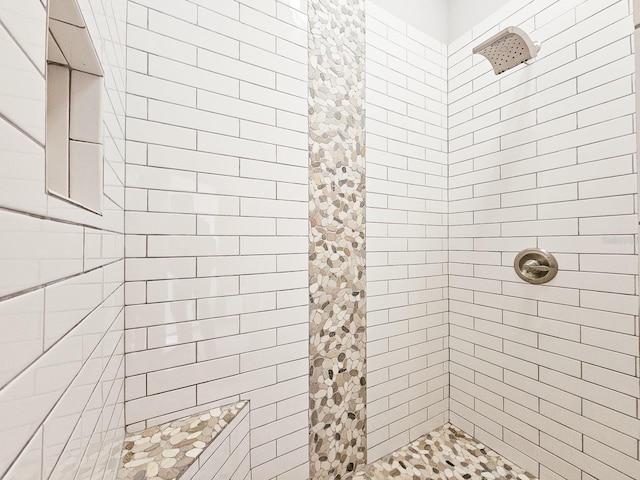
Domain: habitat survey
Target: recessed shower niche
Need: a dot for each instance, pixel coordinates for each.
(74, 132)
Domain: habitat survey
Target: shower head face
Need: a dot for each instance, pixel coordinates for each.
(507, 49)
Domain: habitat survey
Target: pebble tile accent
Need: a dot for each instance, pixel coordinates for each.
(337, 442)
(165, 452)
(446, 453)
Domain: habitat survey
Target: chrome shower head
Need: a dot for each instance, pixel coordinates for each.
(507, 49)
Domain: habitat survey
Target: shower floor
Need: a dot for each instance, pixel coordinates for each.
(446, 453)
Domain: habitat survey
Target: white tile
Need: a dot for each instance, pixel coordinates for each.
(146, 407)
(613, 380)
(267, 22)
(271, 98)
(170, 379)
(162, 88)
(271, 171)
(189, 203)
(590, 391)
(190, 246)
(609, 302)
(57, 134)
(596, 207)
(22, 186)
(160, 178)
(160, 134)
(76, 44)
(22, 319)
(242, 187)
(51, 374)
(151, 223)
(241, 69)
(159, 359)
(28, 464)
(272, 356)
(86, 167)
(223, 225)
(190, 288)
(85, 116)
(269, 319)
(191, 331)
(236, 147)
(159, 268)
(223, 347)
(606, 73)
(23, 88)
(160, 313)
(231, 27)
(273, 208)
(218, 307)
(163, 46)
(69, 302)
(28, 26)
(191, 118)
(37, 252)
(237, 384)
(192, 160)
(234, 107)
(273, 281)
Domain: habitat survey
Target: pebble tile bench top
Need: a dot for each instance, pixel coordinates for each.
(167, 451)
(446, 453)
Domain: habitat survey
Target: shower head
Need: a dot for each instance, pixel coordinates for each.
(507, 49)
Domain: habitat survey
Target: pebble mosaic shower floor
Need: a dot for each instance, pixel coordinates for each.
(446, 453)
(166, 452)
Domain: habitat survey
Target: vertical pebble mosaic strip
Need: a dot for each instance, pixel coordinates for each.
(444, 454)
(166, 452)
(337, 435)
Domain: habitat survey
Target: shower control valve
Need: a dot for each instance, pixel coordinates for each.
(536, 266)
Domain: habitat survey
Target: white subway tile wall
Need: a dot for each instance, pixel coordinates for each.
(62, 268)
(407, 325)
(544, 156)
(464, 169)
(217, 302)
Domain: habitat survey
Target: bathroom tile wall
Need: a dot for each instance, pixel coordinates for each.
(544, 156)
(217, 219)
(61, 268)
(407, 324)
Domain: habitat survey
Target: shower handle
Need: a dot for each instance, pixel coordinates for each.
(536, 266)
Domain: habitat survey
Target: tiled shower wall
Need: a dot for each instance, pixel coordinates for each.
(543, 155)
(217, 219)
(406, 234)
(407, 238)
(61, 269)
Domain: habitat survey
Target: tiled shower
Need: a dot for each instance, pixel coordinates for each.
(297, 254)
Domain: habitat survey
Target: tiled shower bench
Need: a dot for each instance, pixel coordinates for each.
(212, 445)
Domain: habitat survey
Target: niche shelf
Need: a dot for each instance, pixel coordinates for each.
(74, 131)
